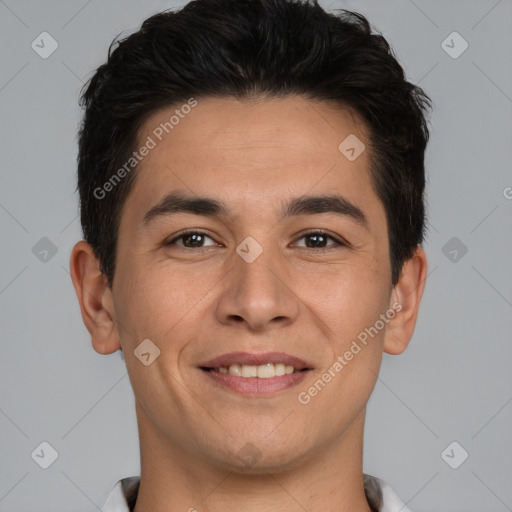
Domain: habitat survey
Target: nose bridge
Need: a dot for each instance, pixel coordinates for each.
(256, 291)
(256, 268)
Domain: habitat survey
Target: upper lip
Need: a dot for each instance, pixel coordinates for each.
(253, 359)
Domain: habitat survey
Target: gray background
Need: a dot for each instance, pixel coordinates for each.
(454, 383)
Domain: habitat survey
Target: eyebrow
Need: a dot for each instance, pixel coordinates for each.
(176, 202)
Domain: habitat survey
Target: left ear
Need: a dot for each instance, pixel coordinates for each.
(407, 293)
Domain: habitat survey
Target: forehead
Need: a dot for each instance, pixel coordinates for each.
(304, 129)
(251, 153)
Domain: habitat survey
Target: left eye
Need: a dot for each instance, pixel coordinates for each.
(195, 240)
(317, 239)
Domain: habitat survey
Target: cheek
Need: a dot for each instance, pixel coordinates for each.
(159, 300)
(347, 378)
(359, 333)
(359, 320)
(348, 298)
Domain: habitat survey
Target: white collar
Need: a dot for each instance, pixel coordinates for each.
(124, 493)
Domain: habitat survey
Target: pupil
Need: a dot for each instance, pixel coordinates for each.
(194, 237)
(317, 237)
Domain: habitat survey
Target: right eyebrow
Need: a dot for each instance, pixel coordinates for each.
(176, 202)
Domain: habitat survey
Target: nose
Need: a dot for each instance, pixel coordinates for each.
(258, 295)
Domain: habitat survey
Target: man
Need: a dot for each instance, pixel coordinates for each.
(251, 177)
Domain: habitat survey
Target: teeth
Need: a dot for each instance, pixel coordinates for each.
(289, 369)
(235, 369)
(249, 371)
(263, 371)
(279, 369)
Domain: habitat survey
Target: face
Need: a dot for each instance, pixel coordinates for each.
(260, 277)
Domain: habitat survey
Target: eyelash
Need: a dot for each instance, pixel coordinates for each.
(308, 233)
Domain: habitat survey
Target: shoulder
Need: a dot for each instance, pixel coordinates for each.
(381, 496)
(123, 495)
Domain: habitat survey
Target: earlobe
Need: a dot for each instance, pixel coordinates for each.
(407, 293)
(94, 297)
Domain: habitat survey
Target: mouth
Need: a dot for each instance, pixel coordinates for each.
(262, 371)
(256, 374)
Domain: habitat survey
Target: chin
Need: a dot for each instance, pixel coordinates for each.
(260, 457)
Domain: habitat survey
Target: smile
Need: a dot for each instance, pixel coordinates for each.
(255, 374)
(262, 371)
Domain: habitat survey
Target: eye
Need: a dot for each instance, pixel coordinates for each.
(191, 240)
(195, 240)
(318, 239)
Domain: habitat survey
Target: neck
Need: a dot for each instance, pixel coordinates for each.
(174, 480)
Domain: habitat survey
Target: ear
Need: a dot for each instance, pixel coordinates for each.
(95, 298)
(407, 294)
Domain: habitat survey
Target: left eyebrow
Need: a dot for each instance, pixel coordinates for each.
(176, 202)
(310, 205)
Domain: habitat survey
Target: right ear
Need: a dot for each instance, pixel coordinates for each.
(95, 298)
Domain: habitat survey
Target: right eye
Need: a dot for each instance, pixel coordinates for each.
(191, 240)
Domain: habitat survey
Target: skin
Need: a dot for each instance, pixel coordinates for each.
(196, 304)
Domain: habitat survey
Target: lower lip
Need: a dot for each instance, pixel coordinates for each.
(254, 386)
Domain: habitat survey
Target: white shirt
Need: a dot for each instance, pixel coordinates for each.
(124, 494)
